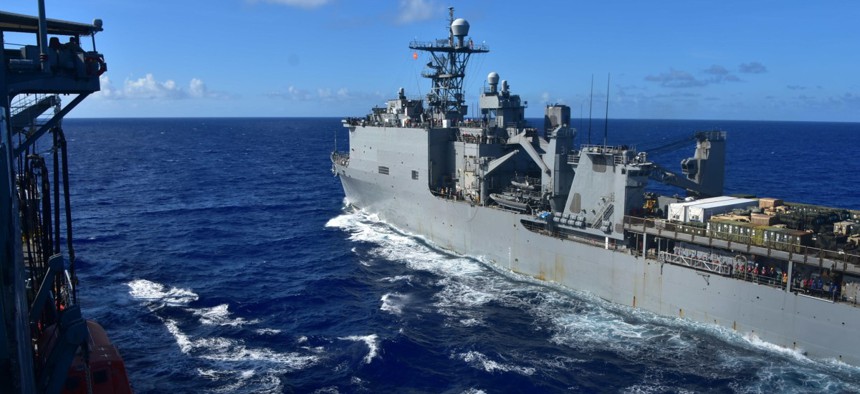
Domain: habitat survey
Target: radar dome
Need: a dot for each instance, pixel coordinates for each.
(460, 27)
(493, 78)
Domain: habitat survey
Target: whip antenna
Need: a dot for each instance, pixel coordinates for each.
(606, 121)
(590, 102)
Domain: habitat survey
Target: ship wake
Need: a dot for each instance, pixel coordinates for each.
(208, 334)
(475, 297)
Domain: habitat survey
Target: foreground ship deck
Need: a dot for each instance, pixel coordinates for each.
(46, 345)
(496, 188)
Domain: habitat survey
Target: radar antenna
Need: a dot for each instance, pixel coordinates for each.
(447, 68)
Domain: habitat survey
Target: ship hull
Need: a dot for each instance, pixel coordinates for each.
(816, 327)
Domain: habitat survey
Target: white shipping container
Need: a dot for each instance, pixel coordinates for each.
(678, 210)
(703, 212)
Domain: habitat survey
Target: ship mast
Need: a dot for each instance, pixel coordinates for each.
(447, 69)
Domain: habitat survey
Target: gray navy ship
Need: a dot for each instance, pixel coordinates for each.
(531, 202)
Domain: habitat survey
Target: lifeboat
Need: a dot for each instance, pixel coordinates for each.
(102, 372)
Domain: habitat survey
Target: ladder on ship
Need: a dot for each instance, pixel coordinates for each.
(607, 207)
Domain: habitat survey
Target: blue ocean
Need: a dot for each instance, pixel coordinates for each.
(220, 258)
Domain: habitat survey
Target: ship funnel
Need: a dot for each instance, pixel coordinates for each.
(460, 29)
(493, 81)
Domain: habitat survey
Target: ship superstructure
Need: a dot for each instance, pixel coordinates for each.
(532, 202)
(46, 344)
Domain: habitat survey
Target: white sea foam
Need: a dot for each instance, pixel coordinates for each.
(456, 299)
(242, 367)
(754, 340)
(144, 290)
(398, 278)
(471, 322)
(220, 316)
(394, 302)
(372, 342)
(457, 294)
(481, 361)
(185, 344)
(232, 362)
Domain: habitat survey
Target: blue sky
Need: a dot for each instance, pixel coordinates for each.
(744, 60)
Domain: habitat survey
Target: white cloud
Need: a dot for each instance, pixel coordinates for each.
(297, 94)
(149, 88)
(198, 88)
(297, 3)
(415, 10)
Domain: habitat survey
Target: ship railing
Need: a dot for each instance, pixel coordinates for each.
(22, 102)
(836, 260)
(27, 112)
(603, 148)
(740, 269)
(713, 135)
(387, 123)
(445, 44)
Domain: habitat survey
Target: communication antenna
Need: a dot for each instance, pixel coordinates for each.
(590, 102)
(606, 121)
(581, 119)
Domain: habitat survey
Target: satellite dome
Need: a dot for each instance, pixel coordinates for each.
(460, 27)
(493, 78)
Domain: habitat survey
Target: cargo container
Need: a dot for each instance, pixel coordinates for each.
(760, 219)
(735, 231)
(702, 212)
(784, 238)
(678, 211)
(767, 203)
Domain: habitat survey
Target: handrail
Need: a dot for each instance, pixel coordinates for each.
(794, 251)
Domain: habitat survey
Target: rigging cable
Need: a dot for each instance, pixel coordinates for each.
(56, 162)
(68, 209)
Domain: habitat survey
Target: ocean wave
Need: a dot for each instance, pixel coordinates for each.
(220, 316)
(393, 303)
(481, 361)
(144, 290)
(372, 342)
(230, 363)
(398, 278)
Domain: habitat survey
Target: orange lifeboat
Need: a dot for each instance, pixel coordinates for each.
(103, 373)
